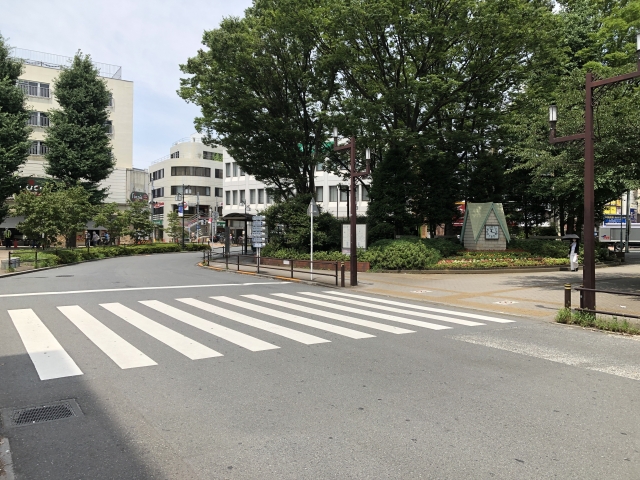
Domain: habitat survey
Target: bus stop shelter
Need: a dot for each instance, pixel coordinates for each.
(237, 218)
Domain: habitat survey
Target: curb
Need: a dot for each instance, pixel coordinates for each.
(488, 270)
(6, 464)
(261, 275)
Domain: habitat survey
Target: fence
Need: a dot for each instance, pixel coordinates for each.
(267, 265)
(608, 302)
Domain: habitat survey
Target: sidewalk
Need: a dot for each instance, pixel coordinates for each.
(536, 294)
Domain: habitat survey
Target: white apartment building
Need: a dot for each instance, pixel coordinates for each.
(243, 191)
(193, 169)
(40, 70)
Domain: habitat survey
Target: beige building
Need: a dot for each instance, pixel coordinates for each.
(195, 170)
(40, 70)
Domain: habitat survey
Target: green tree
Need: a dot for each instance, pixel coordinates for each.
(114, 219)
(290, 226)
(55, 212)
(262, 84)
(138, 217)
(14, 133)
(77, 139)
(174, 230)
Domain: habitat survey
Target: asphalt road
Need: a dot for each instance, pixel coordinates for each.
(369, 393)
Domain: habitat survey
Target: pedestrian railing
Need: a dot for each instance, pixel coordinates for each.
(609, 302)
(266, 265)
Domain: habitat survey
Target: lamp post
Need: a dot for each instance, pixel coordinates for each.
(588, 270)
(351, 146)
(180, 197)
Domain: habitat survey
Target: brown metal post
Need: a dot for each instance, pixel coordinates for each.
(567, 295)
(342, 274)
(337, 274)
(352, 200)
(238, 258)
(36, 250)
(581, 297)
(588, 269)
(226, 261)
(291, 265)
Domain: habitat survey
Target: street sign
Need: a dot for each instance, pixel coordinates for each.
(258, 231)
(313, 209)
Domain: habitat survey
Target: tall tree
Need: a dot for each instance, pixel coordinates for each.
(14, 133)
(138, 216)
(262, 84)
(78, 143)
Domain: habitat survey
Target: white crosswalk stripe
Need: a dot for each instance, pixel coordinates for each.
(403, 311)
(369, 313)
(51, 361)
(186, 346)
(334, 316)
(254, 322)
(422, 307)
(241, 339)
(114, 346)
(347, 332)
(48, 356)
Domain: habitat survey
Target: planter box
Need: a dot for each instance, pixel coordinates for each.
(317, 264)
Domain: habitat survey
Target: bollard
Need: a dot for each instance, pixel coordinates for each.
(567, 295)
(36, 258)
(9, 264)
(342, 274)
(238, 258)
(337, 274)
(581, 297)
(291, 264)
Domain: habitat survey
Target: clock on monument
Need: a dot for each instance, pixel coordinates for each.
(491, 232)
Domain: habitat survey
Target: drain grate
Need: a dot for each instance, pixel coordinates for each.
(17, 417)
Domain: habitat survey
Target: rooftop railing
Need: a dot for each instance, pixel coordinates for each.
(51, 60)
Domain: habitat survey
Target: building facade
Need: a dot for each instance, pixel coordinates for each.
(39, 72)
(194, 170)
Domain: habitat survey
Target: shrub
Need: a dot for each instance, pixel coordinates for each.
(446, 247)
(400, 255)
(44, 259)
(196, 247)
(541, 248)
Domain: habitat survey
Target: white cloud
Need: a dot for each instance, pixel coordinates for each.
(148, 39)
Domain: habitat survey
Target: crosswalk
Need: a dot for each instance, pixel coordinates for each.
(358, 317)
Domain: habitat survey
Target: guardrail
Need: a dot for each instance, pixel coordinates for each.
(567, 300)
(239, 261)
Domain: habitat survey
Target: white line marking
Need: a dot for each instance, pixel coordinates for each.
(113, 345)
(591, 362)
(347, 332)
(47, 355)
(254, 322)
(130, 289)
(350, 301)
(360, 311)
(245, 341)
(428, 309)
(334, 316)
(177, 341)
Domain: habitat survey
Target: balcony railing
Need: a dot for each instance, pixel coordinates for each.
(51, 60)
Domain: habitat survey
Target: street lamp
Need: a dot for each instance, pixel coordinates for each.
(180, 197)
(588, 271)
(351, 146)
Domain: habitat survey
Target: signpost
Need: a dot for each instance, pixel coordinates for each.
(312, 211)
(258, 234)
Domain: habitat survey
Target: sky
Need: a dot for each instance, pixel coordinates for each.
(149, 39)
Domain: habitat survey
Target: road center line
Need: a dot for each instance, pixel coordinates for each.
(130, 289)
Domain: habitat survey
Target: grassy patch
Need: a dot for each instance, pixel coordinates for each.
(589, 320)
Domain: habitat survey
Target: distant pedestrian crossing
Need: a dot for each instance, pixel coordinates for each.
(273, 321)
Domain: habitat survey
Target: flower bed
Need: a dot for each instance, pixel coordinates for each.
(471, 263)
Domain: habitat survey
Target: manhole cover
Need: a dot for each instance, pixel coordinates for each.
(505, 302)
(420, 291)
(17, 417)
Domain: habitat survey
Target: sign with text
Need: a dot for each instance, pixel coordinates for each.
(361, 237)
(139, 197)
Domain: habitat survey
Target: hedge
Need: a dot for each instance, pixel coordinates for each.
(400, 255)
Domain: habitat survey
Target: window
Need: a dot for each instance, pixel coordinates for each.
(235, 169)
(175, 154)
(319, 194)
(157, 175)
(243, 199)
(333, 194)
(252, 197)
(218, 173)
(365, 194)
(227, 200)
(110, 99)
(38, 119)
(190, 172)
(227, 168)
(320, 167)
(269, 199)
(261, 196)
(218, 192)
(34, 89)
(216, 157)
(157, 192)
(344, 194)
(241, 172)
(235, 197)
(108, 126)
(191, 190)
(38, 148)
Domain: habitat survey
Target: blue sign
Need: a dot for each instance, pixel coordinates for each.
(180, 210)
